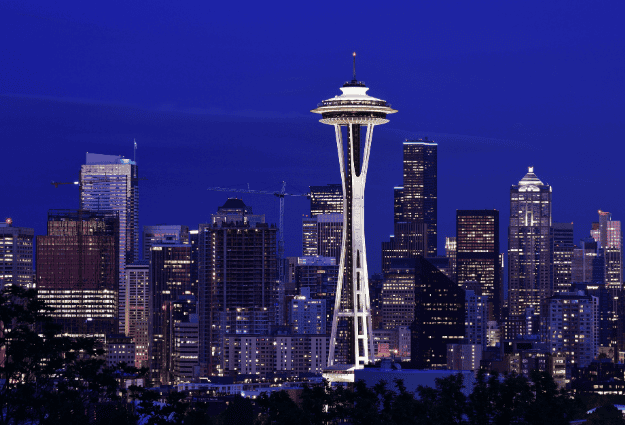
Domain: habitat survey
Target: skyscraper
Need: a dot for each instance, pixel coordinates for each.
(326, 199)
(563, 247)
(238, 278)
(351, 339)
(477, 254)
(77, 271)
(610, 239)
(439, 315)
(530, 251)
(16, 255)
(109, 184)
(322, 235)
(170, 278)
(410, 240)
(419, 193)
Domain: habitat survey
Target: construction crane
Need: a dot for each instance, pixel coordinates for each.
(280, 195)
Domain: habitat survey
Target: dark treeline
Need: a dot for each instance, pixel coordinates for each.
(50, 379)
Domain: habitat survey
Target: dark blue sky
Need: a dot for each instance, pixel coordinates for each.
(219, 94)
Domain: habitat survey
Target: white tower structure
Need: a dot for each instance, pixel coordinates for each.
(351, 342)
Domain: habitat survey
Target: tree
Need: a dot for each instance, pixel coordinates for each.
(606, 415)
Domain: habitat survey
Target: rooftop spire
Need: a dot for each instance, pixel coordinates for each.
(354, 66)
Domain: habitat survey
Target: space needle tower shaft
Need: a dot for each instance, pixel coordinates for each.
(351, 341)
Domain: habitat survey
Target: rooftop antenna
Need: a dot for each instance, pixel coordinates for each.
(354, 66)
(134, 159)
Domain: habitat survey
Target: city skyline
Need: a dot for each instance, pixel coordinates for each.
(188, 142)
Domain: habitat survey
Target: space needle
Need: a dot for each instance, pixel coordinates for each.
(351, 341)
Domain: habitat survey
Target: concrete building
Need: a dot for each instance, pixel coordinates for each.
(109, 184)
(464, 356)
(16, 255)
(476, 318)
(563, 247)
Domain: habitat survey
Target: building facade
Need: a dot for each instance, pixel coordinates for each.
(163, 234)
(477, 254)
(138, 311)
(420, 190)
(77, 271)
(563, 247)
(530, 252)
(109, 184)
(238, 278)
(16, 255)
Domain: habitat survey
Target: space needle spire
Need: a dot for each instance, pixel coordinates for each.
(351, 341)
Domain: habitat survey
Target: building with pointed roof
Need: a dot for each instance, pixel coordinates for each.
(530, 253)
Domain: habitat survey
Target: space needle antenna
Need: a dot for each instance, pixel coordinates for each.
(354, 66)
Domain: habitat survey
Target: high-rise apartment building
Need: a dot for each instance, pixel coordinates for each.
(109, 184)
(563, 247)
(138, 309)
(170, 278)
(306, 314)
(477, 254)
(16, 255)
(163, 234)
(572, 326)
(326, 199)
(476, 318)
(530, 251)
(586, 266)
(419, 192)
(77, 271)
(238, 278)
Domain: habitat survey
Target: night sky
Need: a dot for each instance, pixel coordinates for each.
(219, 94)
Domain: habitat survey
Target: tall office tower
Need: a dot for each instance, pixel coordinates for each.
(109, 184)
(238, 277)
(398, 204)
(306, 314)
(322, 235)
(326, 199)
(163, 234)
(77, 271)
(16, 255)
(194, 241)
(571, 326)
(451, 250)
(419, 192)
(170, 278)
(530, 251)
(477, 257)
(584, 266)
(397, 297)
(351, 342)
(138, 312)
(476, 318)
(611, 244)
(563, 247)
(439, 315)
(409, 241)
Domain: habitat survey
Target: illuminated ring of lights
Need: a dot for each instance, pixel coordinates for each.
(353, 120)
